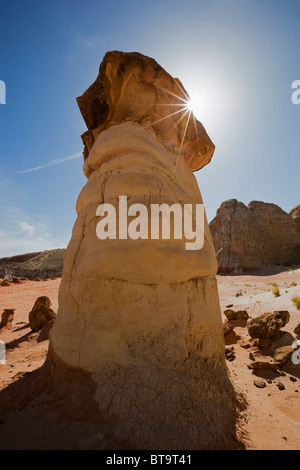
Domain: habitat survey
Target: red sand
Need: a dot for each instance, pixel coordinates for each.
(272, 420)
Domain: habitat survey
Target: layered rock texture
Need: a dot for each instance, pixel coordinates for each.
(246, 237)
(142, 317)
(295, 213)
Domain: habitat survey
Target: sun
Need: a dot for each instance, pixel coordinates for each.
(190, 105)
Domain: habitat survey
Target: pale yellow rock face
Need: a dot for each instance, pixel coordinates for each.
(143, 316)
(128, 160)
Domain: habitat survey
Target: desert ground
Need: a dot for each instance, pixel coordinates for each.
(272, 417)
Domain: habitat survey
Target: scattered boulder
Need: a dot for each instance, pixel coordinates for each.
(236, 315)
(5, 283)
(7, 318)
(45, 331)
(297, 329)
(247, 236)
(260, 383)
(280, 385)
(16, 280)
(229, 354)
(267, 325)
(41, 313)
(283, 354)
(227, 328)
(262, 365)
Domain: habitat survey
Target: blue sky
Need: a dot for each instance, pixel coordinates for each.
(236, 58)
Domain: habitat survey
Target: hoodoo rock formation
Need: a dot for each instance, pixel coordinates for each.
(141, 317)
(246, 237)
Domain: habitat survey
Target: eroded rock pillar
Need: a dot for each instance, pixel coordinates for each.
(142, 317)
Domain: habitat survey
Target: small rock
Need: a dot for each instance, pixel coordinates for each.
(227, 328)
(229, 306)
(229, 354)
(7, 318)
(260, 383)
(262, 365)
(236, 315)
(283, 354)
(280, 385)
(293, 379)
(245, 344)
(297, 329)
(251, 356)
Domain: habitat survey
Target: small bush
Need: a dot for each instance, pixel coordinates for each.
(296, 300)
(276, 290)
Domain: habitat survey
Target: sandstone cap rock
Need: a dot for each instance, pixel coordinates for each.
(133, 87)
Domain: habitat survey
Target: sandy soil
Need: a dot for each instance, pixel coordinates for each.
(272, 420)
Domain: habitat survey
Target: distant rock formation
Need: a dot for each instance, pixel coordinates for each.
(246, 237)
(142, 317)
(295, 213)
(43, 264)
